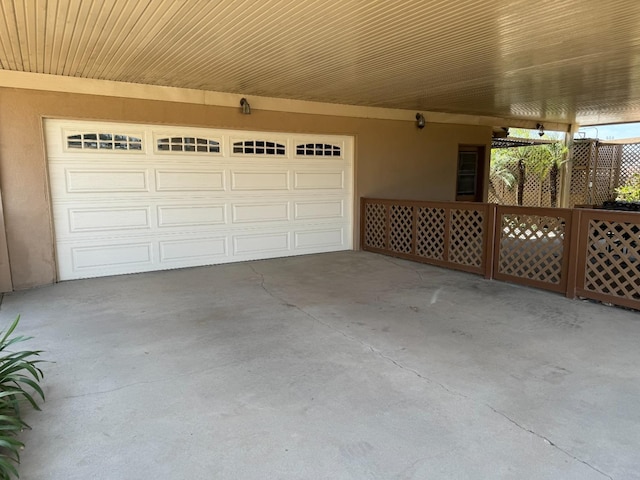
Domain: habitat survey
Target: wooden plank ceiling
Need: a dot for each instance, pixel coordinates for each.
(549, 60)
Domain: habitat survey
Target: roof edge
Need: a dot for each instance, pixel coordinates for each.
(88, 86)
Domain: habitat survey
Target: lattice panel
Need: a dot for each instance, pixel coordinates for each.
(536, 193)
(466, 231)
(375, 225)
(582, 153)
(613, 259)
(401, 228)
(629, 163)
(430, 233)
(499, 192)
(579, 189)
(531, 247)
(582, 158)
(598, 169)
(531, 194)
(602, 188)
(545, 193)
(492, 197)
(606, 154)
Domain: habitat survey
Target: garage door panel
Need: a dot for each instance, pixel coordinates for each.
(261, 242)
(332, 237)
(189, 181)
(175, 206)
(191, 215)
(205, 249)
(102, 256)
(319, 209)
(106, 181)
(260, 212)
(319, 180)
(259, 181)
(108, 219)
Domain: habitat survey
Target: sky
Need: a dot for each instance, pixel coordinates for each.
(611, 132)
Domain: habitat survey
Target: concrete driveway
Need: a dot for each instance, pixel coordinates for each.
(338, 366)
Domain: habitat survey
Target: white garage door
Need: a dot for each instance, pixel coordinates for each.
(135, 198)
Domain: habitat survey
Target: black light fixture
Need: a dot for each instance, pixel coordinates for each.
(420, 121)
(540, 128)
(246, 108)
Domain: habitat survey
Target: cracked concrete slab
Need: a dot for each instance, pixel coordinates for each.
(338, 366)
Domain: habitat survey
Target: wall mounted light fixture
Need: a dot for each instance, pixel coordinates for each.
(540, 128)
(246, 108)
(420, 121)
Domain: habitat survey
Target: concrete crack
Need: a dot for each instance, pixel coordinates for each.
(121, 387)
(450, 391)
(267, 291)
(150, 382)
(542, 437)
(406, 267)
(354, 339)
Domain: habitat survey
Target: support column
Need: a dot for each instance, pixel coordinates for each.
(567, 167)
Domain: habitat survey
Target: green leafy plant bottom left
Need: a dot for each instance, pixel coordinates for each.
(19, 384)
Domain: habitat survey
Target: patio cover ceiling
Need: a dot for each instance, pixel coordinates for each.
(559, 61)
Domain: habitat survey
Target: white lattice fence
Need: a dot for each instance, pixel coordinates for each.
(536, 193)
(629, 163)
(598, 169)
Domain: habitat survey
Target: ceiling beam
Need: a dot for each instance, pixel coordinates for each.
(87, 86)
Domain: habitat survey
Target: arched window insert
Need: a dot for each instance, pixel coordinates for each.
(258, 147)
(318, 150)
(187, 144)
(104, 141)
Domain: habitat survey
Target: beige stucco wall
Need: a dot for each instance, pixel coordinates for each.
(394, 159)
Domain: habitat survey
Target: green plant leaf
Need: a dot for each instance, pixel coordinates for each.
(19, 383)
(10, 331)
(7, 468)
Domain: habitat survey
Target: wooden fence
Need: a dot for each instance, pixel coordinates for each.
(453, 235)
(607, 257)
(589, 253)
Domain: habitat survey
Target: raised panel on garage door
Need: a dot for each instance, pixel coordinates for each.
(133, 198)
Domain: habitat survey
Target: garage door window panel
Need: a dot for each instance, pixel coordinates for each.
(96, 141)
(187, 144)
(318, 150)
(259, 147)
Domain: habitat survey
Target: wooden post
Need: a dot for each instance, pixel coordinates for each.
(575, 232)
(491, 237)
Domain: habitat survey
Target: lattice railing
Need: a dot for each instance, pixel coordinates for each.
(591, 253)
(530, 246)
(454, 234)
(609, 257)
(375, 225)
(431, 233)
(466, 238)
(401, 228)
